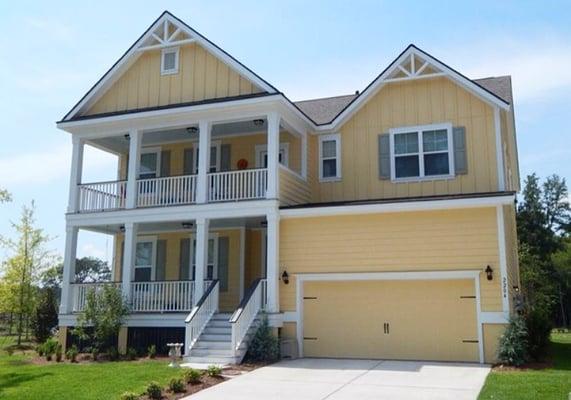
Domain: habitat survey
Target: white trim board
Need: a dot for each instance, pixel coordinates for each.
(387, 276)
(402, 206)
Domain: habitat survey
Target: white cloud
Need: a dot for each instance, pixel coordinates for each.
(46, 166)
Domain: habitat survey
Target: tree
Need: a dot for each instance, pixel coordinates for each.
(556, 204)
(22, 270)
(45, 317)
(104, 312)
(5, 196)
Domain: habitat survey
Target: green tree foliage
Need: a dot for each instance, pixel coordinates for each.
(87, 269)
(105, 311)
(45, 316)
(264, 345)
(21, 271)
(513, 343)
(5, 196)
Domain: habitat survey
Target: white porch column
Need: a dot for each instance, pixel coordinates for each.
(273, 155)
(273, 259)
(203, 161)
(130, 248)
(201, 257)
(75, 176)
(71, 233)
(135, 139)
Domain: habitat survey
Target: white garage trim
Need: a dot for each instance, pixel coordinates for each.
(387, 276)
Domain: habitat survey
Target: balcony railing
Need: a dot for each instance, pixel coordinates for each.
(163, 296)
(246, 184)
(102, 196)
(166, 191)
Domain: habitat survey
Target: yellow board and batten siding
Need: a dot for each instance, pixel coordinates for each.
(201, 76)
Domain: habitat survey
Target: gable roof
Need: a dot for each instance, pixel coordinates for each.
(132, 54)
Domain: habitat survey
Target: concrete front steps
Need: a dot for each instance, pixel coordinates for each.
(214, 346)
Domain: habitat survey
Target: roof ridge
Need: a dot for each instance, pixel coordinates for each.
(326, 98)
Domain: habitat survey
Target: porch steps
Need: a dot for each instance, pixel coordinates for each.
(215, 343)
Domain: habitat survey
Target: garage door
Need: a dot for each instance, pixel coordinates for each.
(409, 320)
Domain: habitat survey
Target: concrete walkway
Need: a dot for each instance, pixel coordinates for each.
(333, 379)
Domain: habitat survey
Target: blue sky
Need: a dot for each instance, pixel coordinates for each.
(53, 52)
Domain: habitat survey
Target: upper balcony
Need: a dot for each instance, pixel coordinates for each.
(242, 160)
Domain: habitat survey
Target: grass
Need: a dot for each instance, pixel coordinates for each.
(545, 384)
(20, 379)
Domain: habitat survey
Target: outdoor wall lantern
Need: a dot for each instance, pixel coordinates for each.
(285, 277)
(258, 122)
(186, 225)
(489, 273)
(122, 228)
(192, 129)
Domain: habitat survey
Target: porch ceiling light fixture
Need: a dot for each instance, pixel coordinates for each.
(258, 122)
(285, 277)
(127, 136)
(187, 225)
(192, 129)
(264, 223)
(122, 228)
(489, 273)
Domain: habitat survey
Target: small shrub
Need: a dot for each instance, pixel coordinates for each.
(513, 344)
(539, 325)
(131, 354)
(213, 371)
(113, 353)
(10, 351)
(152, 351)
(50, 346)
(176, 385)
(264, 345)
(154, 391)
(71, 353)
(192, 376)
(40, 350)
(59, 353)
(94, 353)
(129, 396)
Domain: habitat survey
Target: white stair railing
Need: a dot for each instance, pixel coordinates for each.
(166, 191)
(200, 315)
(101, 196)
(79, 292)
(245, 184)
(162, 296)
(253, 302)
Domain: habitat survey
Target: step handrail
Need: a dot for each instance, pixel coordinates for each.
(246, 313)
(200, 315)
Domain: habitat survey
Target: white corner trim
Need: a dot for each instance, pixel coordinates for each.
(503, 260)
(401, 206)
(499, 150)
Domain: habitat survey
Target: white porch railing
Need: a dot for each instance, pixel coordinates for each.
(246, 184)
(242, 319)
(101, 196)
(200, 315)
(79, 292)
(166, 191)
(162, 296)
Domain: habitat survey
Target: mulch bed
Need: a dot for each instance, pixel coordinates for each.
(206, 382)
(526, 367)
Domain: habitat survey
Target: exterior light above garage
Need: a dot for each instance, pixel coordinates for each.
(285, 277)
(489, 273)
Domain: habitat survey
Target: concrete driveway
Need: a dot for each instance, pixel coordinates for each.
(333, 379)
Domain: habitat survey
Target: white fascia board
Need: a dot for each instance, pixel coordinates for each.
(254, 208)
(405, 206)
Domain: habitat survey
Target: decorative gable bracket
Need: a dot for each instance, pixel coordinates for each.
(413, 67)
(166, 35)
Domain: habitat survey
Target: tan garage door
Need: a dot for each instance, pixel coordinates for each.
(409, 320)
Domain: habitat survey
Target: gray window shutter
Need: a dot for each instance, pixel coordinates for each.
(460, 154)
(184, 260)
(188, 158)
(223, 258)
(385, 156)
(160, 273)
(225, 157)
(165, 163)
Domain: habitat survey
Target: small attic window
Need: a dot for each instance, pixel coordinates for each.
(169, 61)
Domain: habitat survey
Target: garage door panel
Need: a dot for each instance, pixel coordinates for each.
(432, 320)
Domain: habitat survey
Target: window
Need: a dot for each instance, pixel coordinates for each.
(212, 263)
(330, 157)
(169, 61)
(422, 152)
(145, 260)
(262, 155)
(214, 157)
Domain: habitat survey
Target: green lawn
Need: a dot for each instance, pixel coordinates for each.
(19, 379)
(552, 383)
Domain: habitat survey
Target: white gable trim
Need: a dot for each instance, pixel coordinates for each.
(386, 78)
(134, 52)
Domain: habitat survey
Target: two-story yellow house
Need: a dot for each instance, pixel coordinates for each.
(373, 225)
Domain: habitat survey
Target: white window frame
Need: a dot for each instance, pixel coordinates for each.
(263, 148)
(213, 236)
(419, 129)
(176, 51)
(150, 150)
(146, 239)
(337, 138)
(196, 146)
